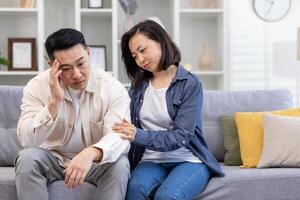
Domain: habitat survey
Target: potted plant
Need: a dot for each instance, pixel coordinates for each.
(3, 62)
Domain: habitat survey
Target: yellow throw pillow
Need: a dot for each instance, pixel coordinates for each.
(250, 131)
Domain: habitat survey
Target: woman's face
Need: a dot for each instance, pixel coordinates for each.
(146, 52)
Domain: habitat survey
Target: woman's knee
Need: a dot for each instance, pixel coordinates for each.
(164, 193)
(136, 189)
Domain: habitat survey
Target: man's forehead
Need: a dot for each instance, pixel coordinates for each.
(71, 54)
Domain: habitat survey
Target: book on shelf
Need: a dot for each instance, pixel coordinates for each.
(27, 3)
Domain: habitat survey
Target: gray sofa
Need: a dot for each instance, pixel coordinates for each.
(252, 184)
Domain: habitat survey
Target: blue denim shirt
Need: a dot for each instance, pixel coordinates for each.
(184, 103)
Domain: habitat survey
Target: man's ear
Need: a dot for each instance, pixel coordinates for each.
(88, 49)
(50, 62)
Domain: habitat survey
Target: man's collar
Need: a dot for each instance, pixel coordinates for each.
(91, 84)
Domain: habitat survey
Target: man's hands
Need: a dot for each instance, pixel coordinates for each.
(57, 88)
(80, 165)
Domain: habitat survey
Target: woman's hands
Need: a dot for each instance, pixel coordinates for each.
(125, 129)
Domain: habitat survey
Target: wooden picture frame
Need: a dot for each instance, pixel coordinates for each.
(98, 56)
(22, 54)
(95, 3)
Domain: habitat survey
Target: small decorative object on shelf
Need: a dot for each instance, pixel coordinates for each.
(22, 54)
(27, 3)
(205, 61)
(98, 56)
(95, 4)
(129, 7)
(203, 3)
(3, 63)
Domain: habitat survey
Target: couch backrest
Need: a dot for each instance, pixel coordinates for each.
(218, 103)
(10, 101)
(215, 104)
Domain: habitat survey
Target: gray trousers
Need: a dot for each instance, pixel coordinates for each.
(35, 167)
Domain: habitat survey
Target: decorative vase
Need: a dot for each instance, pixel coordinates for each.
(203, 3)
(205, 61)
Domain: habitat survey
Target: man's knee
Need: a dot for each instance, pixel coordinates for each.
(27, 160)
(118, 171)
(120, 168)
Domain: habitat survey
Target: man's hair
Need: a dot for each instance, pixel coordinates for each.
(152, 30)
(63, 39)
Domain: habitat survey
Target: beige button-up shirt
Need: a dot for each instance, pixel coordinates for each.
(103, 102)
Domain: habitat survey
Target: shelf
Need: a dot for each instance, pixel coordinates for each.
(188, 25)
(19, 73)
(205, 13)
(219, 73)
(105, 12)
(191, 10)
(18, 11)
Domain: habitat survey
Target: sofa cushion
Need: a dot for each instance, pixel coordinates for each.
(250, 184)
(218, 103)
(250, 131)
(283, 133)
(9, 146)
(7, 183)
(231, 141)
(246, 184)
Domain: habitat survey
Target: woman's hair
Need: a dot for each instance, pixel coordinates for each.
(152, 30)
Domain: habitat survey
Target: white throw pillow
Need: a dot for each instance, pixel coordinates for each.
(281, 145)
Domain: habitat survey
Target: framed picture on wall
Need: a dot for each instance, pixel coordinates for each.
(98, 56)
(22, 54)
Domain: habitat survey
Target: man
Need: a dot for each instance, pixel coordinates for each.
(66, 124)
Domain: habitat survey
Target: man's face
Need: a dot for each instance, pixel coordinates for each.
(75, 65)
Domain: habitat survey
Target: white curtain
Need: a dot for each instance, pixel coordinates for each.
(251, 47)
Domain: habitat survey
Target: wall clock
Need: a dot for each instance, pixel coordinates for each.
(271, 10)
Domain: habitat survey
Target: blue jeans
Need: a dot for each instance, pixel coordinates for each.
(166, 181)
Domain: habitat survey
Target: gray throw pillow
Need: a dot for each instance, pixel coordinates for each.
(9, 146)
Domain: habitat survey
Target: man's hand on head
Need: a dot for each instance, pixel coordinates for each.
(57, 89)
(80, 165)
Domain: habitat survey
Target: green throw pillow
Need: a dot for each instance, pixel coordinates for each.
(231, 141)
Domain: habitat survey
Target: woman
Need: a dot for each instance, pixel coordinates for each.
(166, 102)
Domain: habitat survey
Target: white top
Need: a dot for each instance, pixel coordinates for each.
(154, 116)
(75, 143)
